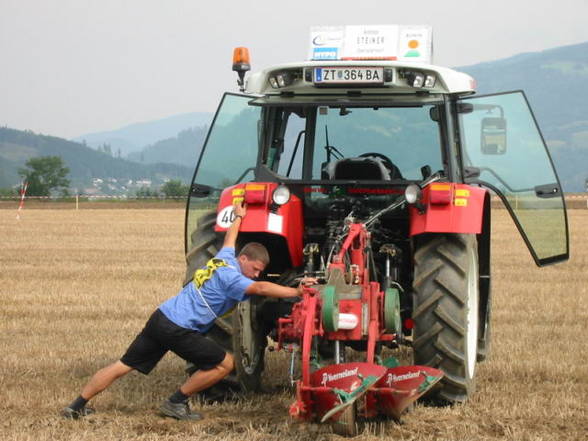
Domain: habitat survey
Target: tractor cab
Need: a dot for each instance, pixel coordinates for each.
(376, 174)
(325, 130)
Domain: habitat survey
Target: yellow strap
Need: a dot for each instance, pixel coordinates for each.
(203, 274)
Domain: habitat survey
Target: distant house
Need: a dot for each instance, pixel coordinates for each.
(143, 183)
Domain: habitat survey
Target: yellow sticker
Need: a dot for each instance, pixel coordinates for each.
(238, 192)
(460, 202)
(254, 187)
(237, 200)
(462, 192)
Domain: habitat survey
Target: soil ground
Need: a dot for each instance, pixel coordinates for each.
(76, 287)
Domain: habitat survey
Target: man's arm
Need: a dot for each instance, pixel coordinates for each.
(270, 289)
(233, 231)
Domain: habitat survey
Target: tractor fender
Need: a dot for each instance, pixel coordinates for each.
(448, 207)
(264, 217)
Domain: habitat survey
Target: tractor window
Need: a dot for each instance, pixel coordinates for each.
(232, 143)
(404, 136)
(500, 137)
(291, 159)
(228, 156)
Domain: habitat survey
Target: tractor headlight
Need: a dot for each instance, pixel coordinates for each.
(412, 194)
(281, 195)
(415, 79)
(429, 81)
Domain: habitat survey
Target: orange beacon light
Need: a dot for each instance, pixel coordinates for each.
(241, 64)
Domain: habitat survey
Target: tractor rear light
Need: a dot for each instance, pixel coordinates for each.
(255, 194)
(440, 194)
(408, 323)
(281, 195)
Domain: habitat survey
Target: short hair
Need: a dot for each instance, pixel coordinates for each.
(255, 251)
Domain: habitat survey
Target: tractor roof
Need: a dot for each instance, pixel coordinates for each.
(306, 79)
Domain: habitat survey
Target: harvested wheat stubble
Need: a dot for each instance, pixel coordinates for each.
(77, 286)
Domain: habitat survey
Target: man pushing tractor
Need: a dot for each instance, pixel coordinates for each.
(179, 324)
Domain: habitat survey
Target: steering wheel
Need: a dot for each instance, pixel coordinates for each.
(394, 171)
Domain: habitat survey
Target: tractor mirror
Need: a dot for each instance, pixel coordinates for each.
(493, 136)
(200, 191)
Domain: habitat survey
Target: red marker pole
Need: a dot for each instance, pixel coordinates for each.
(23, 192)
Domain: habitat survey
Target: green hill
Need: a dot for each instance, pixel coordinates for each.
(85, 164)
(134, 137)
(182, 149)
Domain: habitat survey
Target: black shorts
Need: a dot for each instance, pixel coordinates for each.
(161, 335)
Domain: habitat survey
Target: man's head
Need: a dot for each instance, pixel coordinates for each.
(253, 259)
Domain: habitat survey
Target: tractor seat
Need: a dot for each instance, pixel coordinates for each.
(357, 169)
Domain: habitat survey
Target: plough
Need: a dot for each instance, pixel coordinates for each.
(350, 308)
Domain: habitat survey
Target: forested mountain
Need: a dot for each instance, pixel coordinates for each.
(135, 137)
(182, 149)
(85, 164)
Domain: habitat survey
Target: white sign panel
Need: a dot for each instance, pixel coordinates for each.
(372, 42)
(275, 223)
(326, 42)
(225, 217)
(415, 44)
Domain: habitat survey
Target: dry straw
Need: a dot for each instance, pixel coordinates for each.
(76, 286)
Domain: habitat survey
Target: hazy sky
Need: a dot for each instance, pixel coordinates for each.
(70, 67)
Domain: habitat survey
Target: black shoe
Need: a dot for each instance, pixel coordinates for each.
(72, 414)
(179, 411)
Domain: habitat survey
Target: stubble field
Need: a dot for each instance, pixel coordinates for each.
(76, 286)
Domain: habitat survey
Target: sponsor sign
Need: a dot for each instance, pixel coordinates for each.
(326, 42)
(392, 378)
(372, 42)
(327, 377)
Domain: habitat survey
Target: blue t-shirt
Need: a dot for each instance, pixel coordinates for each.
(221, 284)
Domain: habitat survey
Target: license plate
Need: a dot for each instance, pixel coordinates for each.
(346, 75)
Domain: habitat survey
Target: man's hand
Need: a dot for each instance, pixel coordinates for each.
(240, 209)
(305, 282)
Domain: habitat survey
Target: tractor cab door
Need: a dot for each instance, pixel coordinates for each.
(503, 150)
(228, 156)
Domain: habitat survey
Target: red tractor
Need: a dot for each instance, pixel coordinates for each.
(377, 178)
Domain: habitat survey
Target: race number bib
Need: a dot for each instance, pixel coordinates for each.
(226, 216)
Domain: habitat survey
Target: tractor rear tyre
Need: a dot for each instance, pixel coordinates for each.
(237, 332)
(445, 311)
